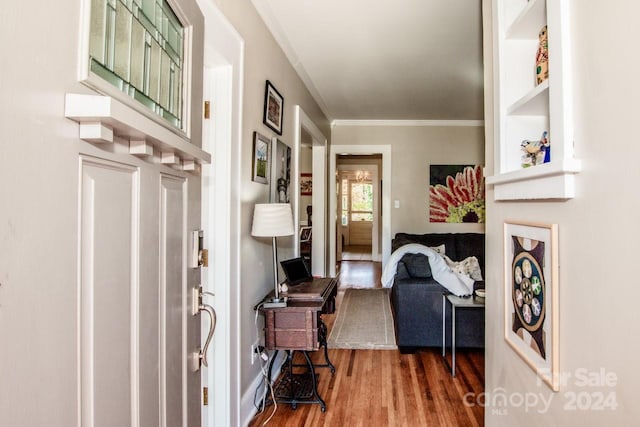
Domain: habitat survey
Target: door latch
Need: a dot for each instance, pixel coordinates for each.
(199, 255)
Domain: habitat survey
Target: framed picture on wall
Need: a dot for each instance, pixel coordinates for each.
(531, 296)
(306, 184)
(273, 108)
(261, 154)
(456, 193)
(280, 172)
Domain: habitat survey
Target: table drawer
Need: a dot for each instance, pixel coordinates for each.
(291, 330)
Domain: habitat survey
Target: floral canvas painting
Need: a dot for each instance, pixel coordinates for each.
(456, 194)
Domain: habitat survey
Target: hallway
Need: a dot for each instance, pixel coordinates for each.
(385, 387)
(360, 274)
(356, 253)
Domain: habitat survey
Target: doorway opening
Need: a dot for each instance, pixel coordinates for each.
(358, 200)
(353, 166)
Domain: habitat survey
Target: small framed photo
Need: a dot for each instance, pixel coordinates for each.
(306, 184)
(273, 108)
(305, 234)
(261, 157)
(531, 296)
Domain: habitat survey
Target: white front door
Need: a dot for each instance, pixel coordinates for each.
(137, 332)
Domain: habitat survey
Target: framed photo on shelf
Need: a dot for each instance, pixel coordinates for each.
(261, 157)
(531, 296)
(273, 108)
(306, 184)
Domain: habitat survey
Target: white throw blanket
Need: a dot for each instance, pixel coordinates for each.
(458, 284)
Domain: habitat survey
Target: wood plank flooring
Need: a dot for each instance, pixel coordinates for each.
(386, 388)
(360, 274)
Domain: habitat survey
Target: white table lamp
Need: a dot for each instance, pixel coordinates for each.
(273, 220)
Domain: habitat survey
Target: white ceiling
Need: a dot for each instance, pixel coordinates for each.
(383, 59)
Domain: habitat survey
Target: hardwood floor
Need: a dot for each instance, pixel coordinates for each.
(386, 388)
(360, 274)
(356, 253)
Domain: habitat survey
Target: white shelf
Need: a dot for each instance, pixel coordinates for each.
(544, 107)
(534, 103)
(547, 181)
(103, 117)
(529, 22)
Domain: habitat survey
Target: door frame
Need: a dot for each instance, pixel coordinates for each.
(375, 180)
(319, 194)
(385, 151)
(221, 207)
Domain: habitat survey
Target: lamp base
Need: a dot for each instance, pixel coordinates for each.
(275, 303)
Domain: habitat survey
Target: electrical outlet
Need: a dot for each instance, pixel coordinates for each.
(254, 351)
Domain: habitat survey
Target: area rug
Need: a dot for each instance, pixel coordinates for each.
(364, 321)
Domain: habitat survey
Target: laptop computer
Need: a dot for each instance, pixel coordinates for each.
(296, 271)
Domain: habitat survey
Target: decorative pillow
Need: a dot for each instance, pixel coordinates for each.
(417, 265)
(401, 271)
(439, 249)
(468, 267)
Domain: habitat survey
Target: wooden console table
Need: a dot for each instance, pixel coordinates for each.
(299, 327)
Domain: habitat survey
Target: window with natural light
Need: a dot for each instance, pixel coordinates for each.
(138, 47)
(361, 201)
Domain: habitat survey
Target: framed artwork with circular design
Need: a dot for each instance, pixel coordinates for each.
(531, 296)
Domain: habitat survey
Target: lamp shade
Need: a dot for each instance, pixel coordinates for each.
(272, 220)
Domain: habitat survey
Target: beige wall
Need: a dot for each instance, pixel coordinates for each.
(598, 234)
(263, 60)
(413, 150)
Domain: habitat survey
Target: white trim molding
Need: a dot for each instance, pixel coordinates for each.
(319, 162)
(416, 123)
(385, 150)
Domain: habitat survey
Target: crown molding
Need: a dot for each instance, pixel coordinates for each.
(417, 123)
(269, 18)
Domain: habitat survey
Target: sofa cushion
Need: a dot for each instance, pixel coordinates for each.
(425, 285)
(401, 271)
(417, 265)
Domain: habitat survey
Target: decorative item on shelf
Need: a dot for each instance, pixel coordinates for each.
(273, 220)
(536, 152)
(542, 57)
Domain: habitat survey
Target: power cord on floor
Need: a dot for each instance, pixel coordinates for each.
(265, 360)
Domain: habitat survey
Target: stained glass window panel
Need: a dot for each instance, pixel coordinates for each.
(138, 46)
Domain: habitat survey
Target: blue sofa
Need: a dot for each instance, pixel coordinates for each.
(416, 298)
